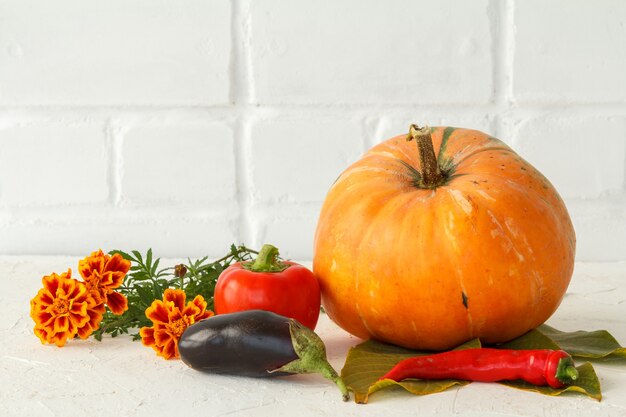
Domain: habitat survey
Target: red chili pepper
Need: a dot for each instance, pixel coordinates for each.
(538, 367)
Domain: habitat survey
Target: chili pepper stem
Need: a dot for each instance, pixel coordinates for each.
(572, 372)
(266, 261)
(566, 371)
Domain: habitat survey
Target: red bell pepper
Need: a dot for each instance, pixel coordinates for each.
(282, 287)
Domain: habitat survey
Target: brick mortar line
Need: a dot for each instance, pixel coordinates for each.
(610, 200)
(111, 165)
(26, 113)
(242, 91)
(502, 27)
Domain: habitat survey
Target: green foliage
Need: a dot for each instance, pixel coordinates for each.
(147, 280)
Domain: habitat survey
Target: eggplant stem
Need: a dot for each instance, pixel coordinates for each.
(311, 353)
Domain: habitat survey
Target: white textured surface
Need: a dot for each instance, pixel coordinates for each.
(121, 377)
(186, 126)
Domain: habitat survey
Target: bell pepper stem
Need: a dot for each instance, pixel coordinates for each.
(266, 261)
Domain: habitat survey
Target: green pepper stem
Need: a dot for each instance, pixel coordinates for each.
(266, 261)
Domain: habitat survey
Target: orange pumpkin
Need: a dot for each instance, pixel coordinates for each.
(432, 246)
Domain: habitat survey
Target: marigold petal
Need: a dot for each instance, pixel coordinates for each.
(92, 263)
(176, 296)
(70, 288)
(104, 280)
(79, 308)
(191, 310)
(79, 291)
(200, 302)
(117, 264)
(51, 284)
(174, 315)
(43, 318)
(170, 350)
(205, 315)
(61, 324)
(91, 325)
(97, 308)
(79, 320)
(41, 333)
(44, 297)
(161, 336)
(85, 331)
(147, 336)
(95, 317)
(117, 303)
(157, 312)
(111, 280)
(59, 339)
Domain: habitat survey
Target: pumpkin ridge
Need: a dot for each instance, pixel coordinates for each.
(477, 151)
(447, 132)
(456, 257)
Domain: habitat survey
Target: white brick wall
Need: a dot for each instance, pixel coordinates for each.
(176, 165)
(115, 52)
(186, 126)
(355, 51)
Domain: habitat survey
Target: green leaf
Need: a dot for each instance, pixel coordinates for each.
(149, 259)
(597, 344)
(140, 276)
(138, 256)
(593, 345)
(534, 339)
(145, 295)
(123, 255)
(370, 360)
(367, 362)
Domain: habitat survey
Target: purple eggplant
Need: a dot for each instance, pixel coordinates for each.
(255, 343)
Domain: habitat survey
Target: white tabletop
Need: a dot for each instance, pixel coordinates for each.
(119, 377)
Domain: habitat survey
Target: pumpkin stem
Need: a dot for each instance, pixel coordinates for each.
(431, 174)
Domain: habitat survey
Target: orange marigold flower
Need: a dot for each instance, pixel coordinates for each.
(170, 318)
(64, 308)
(102, 274)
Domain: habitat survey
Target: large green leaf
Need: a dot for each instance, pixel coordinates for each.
(370, 360)
(594, 345)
